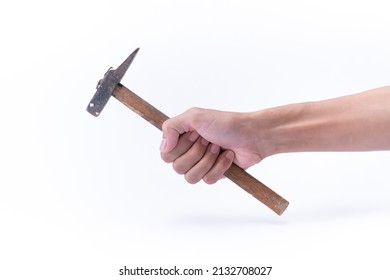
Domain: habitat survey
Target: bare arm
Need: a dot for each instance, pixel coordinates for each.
(194, 140)
(359, 122)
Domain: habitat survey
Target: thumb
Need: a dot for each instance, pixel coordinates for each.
(172, 129)
(169, 140)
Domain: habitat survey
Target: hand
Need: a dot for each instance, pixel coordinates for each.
(202, 144)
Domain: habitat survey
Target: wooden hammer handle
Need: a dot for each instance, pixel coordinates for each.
(235, 173)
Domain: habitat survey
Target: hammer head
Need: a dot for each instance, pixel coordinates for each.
(106, 86)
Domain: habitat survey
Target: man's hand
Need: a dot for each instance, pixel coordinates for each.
(202, 144)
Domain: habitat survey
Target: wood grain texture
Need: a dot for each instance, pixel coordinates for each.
(235, 173)
(256, 188)
(139, 106)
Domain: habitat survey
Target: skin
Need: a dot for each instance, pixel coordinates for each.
(203, 143)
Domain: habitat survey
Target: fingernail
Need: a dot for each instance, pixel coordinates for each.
(163, 145)
(193, 136)
(204, 142)
(214, 149)
(229, 155)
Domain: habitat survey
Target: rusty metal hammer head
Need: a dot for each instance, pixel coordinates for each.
(106, 86)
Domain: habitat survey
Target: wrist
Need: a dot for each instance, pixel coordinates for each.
(275, 127)
(261, 124)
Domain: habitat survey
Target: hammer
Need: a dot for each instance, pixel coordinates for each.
(110, 85)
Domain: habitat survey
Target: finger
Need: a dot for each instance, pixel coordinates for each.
(174, 127)
(222, 164)
(197, 172)
(191, 157)
(183, 145)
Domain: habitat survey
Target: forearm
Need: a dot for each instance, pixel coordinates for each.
(359, 122)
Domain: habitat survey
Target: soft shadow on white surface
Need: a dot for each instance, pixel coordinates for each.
(336, 213)
(213, 220)
(311, 215)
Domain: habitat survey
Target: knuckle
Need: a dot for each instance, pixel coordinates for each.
(209, 179)
(216, 173)
(178, 168)
(165, 157)
(191, 179)
(194, 114)
(194, 110)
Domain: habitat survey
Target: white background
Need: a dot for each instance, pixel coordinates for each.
(80, 197)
